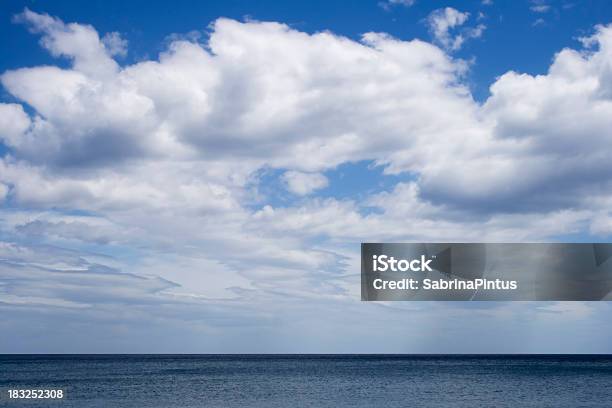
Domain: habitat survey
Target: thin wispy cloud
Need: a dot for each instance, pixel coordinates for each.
(446, 27)
(540, 6)
(388, 4)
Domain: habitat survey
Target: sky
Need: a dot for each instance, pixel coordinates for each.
(197, 177)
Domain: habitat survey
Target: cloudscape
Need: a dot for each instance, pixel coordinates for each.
(209, 191)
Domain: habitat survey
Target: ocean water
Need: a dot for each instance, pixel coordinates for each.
(311, 380)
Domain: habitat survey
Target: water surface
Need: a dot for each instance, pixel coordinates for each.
(312, 380)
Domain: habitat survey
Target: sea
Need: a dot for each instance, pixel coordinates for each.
(311, 380)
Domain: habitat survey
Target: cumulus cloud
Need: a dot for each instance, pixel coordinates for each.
(14, 122)
(204, 120)
(158, 162)
(230, 103)
(78, 42)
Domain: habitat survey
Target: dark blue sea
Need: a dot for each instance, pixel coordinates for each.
(311, 380)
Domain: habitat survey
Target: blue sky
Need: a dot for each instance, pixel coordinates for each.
(513, 40)
(197, 176)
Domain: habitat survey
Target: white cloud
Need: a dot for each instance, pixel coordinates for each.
(211, 119)
(387, 4)
(443, 24)
(14, 122)
(162, 157)
(539, 22)
(78, 42)
(540, 6)
(301, 183)
(4, 190)
(115, 44)
(476, 32)
(565, 310)
(404, 217)
(205, 121)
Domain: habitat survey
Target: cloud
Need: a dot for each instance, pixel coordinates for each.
(78, 42)
(387, 4)
(115, 44)
(33, 285)
(539, 22)
(3, 192)
(213, 116)
(540, 6)
(443, 21)
(568, 309)
(145, 178)
(342, 221)
(76, 230)
(14, 122)
(304, 183)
